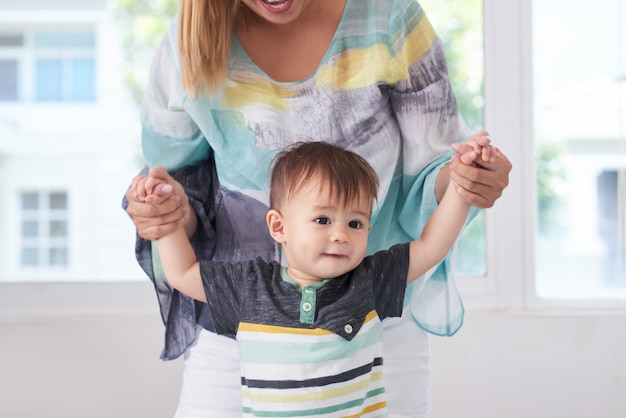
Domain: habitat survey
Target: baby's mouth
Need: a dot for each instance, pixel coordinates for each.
(334, 255)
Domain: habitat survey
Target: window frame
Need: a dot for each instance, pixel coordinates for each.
(29, 56)
(509, 117)
(509, 282)
(45, 240)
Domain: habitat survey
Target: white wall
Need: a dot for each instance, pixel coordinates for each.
(88, 367)
(499, 365)
(509, 365)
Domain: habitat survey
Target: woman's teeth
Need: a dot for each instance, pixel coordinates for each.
(274, 3)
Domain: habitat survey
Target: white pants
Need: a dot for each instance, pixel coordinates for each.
(211, 384)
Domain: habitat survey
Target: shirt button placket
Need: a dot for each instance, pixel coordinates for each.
(307, 306)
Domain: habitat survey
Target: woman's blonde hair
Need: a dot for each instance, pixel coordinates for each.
(205, 36)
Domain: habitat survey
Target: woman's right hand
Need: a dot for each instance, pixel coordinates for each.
(164, 210)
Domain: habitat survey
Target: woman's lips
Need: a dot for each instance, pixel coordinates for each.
(277, 5)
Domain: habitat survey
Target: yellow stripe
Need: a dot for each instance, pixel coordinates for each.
(416, 44)
(347, 72)
(371, 408)
(250, 89)
(373, 314)
(312, 396)
(274, 329)
(356, 68)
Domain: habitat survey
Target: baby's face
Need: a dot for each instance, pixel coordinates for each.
(323, 238)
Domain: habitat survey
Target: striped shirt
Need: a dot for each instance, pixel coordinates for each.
(312, 351)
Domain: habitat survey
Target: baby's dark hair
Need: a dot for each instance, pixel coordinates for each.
(348, 175)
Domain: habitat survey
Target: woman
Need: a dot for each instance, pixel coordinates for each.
(236, 81)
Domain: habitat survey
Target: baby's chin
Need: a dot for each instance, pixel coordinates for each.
(335, 266)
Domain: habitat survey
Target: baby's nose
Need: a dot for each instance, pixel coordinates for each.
(339, 234)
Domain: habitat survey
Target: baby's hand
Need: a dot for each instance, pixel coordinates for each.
(478, 145)
(145, 186)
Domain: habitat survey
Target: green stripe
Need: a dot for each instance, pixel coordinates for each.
(315, 411)
(293, 352)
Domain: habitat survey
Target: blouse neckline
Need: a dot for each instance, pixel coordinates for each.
(247, 64)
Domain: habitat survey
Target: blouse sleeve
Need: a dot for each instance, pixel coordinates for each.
(429, 121)
(180, 313)
(169, 135)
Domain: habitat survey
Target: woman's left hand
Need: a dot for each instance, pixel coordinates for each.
(481, 183)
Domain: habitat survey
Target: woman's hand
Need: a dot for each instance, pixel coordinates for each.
(483, 181)
(161, 211)
(480, 169)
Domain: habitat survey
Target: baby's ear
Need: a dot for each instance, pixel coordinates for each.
(275, 225)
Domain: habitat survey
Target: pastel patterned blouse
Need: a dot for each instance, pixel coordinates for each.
(381, 90)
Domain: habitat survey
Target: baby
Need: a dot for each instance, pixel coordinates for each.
(309, 332)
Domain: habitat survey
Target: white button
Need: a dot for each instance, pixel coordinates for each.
(306, 307)
(309, 291)
(348, 329)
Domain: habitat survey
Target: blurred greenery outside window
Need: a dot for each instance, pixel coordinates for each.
(459, 23)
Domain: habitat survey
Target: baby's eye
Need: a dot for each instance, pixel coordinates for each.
(355, 224)
(322, 220)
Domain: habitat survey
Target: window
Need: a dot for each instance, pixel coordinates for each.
(64, 66)
(48, 66)
(580, 148)
(44, 229)
(8, 68)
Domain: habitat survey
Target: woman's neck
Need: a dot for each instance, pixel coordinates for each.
(293, 51)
